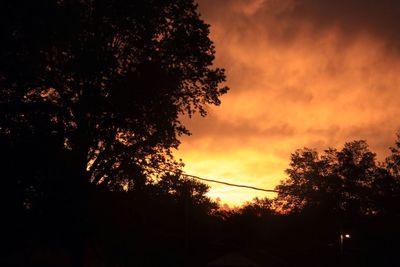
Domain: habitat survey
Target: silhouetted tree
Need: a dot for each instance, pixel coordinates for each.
(186, 189)
(154, 226)
(259, 207)
(336, 182)
(386, 186)
(393, 160)
(339, 191)
(93, 91)
(105, 81)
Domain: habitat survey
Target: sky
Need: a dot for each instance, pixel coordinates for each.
(302, 73)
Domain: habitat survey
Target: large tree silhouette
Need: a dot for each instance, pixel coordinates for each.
(100, 85)
(93, 92)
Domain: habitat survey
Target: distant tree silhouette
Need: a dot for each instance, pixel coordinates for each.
(335, 182)
(387, 183)
(393, 160)
(155, 226)
(259, 207)
(92, 92)
(187, 191)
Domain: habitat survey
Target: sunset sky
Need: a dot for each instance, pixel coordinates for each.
(302, 73)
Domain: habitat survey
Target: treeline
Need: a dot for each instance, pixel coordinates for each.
(171, 221)
(92, 96)
(326, 195)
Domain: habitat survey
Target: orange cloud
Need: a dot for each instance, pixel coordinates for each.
(302, 73)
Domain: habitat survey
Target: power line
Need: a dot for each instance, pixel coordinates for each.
(231, 184)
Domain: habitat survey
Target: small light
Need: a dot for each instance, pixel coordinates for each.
(347, 235)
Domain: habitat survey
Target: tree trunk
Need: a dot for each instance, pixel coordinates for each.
(79, 213)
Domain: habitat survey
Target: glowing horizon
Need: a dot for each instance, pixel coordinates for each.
(302, 74)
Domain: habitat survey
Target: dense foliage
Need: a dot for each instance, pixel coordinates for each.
(92, 93)
(100, 86)
(349, 182)
(91, 96)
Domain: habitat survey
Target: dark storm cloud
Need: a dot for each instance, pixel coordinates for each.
(283, 20)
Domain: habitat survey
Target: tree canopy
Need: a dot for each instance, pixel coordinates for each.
(347, 182)
(94, 90)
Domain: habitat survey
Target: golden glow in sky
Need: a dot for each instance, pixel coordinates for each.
(302, 74)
